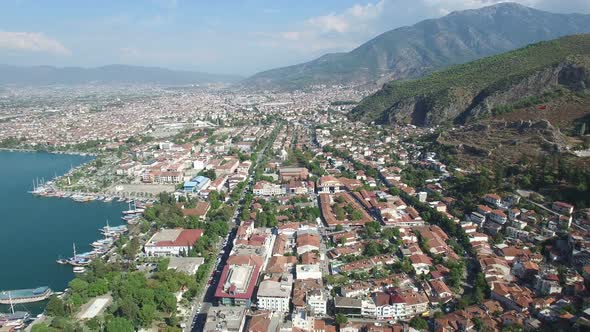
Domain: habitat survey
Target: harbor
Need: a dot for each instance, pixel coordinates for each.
(49, 189)
(38, 231)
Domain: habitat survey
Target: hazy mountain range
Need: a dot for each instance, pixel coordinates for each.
(414, 51)
(47, 75)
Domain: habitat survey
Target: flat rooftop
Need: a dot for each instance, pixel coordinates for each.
(225, 319)
(188, 265)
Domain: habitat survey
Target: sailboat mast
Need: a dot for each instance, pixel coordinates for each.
(10, 301)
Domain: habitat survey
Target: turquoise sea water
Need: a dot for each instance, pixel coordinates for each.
(35, 231)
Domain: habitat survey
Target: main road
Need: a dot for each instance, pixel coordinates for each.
(202, 304)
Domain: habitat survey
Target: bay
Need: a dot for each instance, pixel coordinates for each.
(35, 231)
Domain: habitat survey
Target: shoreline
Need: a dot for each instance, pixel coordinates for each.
(73, 153)
(60, 276)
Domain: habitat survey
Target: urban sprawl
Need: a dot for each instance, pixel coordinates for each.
(272, 211)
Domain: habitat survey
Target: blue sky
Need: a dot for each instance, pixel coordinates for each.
(239, 37)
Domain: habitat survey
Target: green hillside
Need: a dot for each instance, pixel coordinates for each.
(460, 88)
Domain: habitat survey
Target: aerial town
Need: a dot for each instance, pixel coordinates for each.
(274, 212)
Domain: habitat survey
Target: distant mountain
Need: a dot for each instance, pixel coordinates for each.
(491, 86)
(411, 52)
(47, 75)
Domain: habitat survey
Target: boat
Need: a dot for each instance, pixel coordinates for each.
(81, 259)
(80, 262)
(82, 198)
(62, 261)
(102, 243)
(130, 217)
(134, 210)
(79, 269)
(113, 231)
(25, 295)
(100, 251)
(15, 320)
(108, 199)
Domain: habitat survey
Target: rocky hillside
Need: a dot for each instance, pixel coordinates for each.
(486, 87)
(411, 52)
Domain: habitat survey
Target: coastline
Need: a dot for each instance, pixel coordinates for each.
(65, 226)
(73, 153)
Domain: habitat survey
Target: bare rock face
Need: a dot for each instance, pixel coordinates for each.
(459, 105)
(542, 124)
(574, 76)
(528, 87)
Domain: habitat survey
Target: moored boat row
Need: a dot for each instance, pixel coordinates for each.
(100, 248)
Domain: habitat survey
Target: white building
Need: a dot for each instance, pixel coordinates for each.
(308, 271)
(172, 242)
(275, 295)
(317, 302)
(265, 188)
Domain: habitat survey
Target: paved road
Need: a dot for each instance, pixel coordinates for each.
(207, 300)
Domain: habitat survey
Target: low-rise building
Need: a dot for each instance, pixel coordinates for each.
(275, 295)
(226, 319)
(308, 271)
(238, 280)
(172, 242)
(265, 188)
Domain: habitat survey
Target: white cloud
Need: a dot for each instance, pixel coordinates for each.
(329, 23)
(31, 42)
(352, 18)
(331, 32)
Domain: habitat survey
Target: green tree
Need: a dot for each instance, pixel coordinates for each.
(165, 301)
(97, 288)
(341, 319)
(339, 212)
(356, 215)
(372, 249)
(129, 309)
(371, 228)
(43, 328)
(163, 264)
(78, 285)
(390, 233)
(94, 324)
(419, 323)
(147, 315)
(119, 324)
(55, 307)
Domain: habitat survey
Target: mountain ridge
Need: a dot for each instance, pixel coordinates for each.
(432, 44)
(483, 87)
(113, 73)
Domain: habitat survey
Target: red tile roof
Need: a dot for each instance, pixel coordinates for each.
(187, 237)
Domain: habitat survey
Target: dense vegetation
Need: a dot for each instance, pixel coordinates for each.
(137, 300)
(483, 77)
